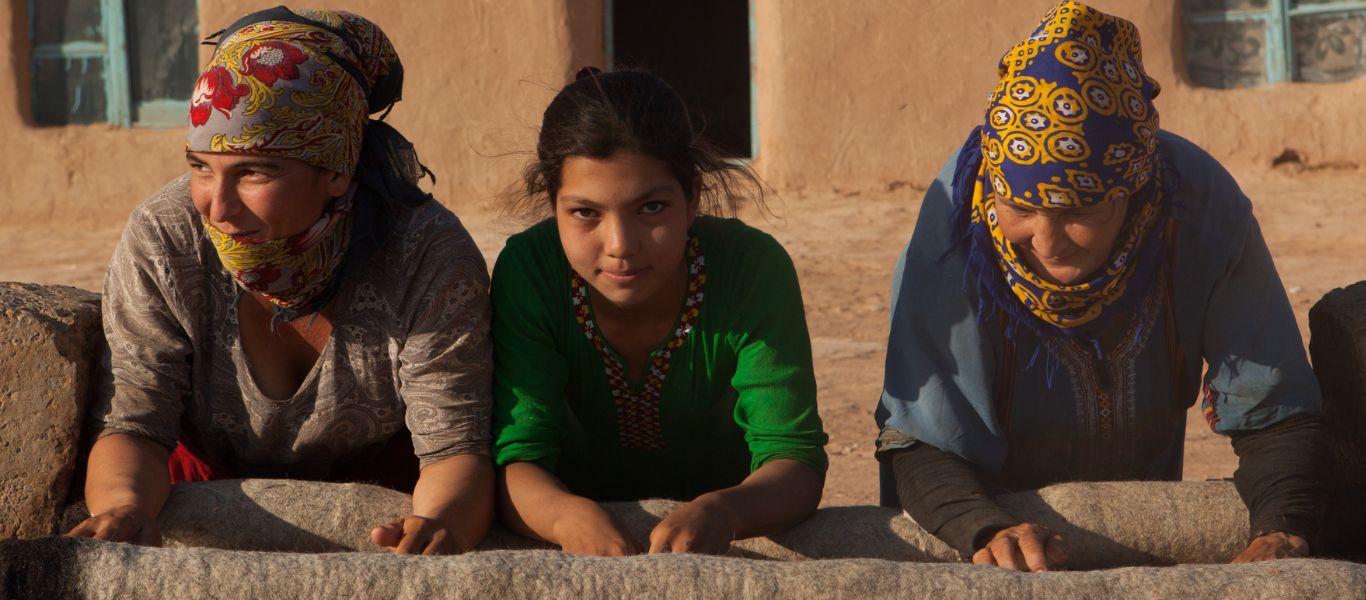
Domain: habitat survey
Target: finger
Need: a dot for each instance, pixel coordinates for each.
(1032, 549)
(415, 536)
(83, 529)
(1008, 555)
(1056, 550)
(108, 530)
(387, 535)
(660, 539)
(983, 557)
(682, 543)
(437, 545)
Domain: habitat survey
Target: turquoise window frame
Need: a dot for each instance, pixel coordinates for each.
(1280, 48)
(118, 84)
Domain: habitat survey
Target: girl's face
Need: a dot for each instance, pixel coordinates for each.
(1063, 245)
(260, 198)
(624, 223)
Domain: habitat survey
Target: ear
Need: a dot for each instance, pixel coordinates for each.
(336, 183)
(696, 200)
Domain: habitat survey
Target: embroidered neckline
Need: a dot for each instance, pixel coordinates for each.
(638, 420)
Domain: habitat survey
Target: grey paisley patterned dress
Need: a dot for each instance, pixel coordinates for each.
(409, 346)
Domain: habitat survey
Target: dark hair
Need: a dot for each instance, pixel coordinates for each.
(599, 114)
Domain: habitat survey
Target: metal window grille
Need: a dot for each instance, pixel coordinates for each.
(1247, 43)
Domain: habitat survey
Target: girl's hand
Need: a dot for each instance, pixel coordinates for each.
(1274, 545)
(1024, 547)
(419, 535)
(588, 529)
(705, 526)
(126, 523)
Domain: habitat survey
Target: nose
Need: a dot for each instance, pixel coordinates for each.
(619, 238)
(224, 203)
(1050, 238)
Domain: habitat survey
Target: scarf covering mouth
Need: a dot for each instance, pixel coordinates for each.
(1071, 124)
(297, 84)
(293, 271)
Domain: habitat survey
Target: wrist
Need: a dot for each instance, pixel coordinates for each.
(574, 511)
(717, 505)
(122, 508)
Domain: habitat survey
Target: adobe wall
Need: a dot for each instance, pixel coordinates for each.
(873, 95)
(863, 96)
(479, 73)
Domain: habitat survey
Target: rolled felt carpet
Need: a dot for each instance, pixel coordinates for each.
(66, 567)
(1105, 524)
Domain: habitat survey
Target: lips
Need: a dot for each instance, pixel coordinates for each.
(622, 276)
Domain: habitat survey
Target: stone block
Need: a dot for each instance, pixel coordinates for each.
(50, 343)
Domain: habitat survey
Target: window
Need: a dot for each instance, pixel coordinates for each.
(126, 62)
(1244, 43)
(702, 48)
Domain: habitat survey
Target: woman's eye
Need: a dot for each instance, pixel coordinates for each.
(650, 208)
(583, 213)
(1019, 211)
(1089, 215)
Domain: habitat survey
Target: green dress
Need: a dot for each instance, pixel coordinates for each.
(731, 388)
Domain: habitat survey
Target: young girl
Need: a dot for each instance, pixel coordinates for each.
(641, 349)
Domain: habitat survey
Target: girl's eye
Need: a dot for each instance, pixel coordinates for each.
(650, 208)
(583, 213)
(1019, 211)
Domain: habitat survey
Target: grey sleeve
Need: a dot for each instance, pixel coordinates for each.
(149, 349)
(446, 363)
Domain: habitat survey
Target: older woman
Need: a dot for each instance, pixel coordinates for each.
(296, 306)
(1071, 270)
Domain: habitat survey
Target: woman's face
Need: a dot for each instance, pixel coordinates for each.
(624, 223)
(1063, 245)
(260, 198)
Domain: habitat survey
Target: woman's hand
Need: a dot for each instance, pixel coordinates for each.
(419, 535)
(1274, 545)
(706, 526)
(126, 484)
(586, 528)
(452, 509)
(126, 523)
(1024, 547)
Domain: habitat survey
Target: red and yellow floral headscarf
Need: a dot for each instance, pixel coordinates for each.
(298, 84)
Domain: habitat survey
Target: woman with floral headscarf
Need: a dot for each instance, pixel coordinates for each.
(1071, 270)
(296, 306)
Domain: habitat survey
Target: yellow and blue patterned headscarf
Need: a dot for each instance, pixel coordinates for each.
(298, 84)
(1071, 124)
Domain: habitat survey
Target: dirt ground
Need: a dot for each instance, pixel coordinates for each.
(845, 246)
